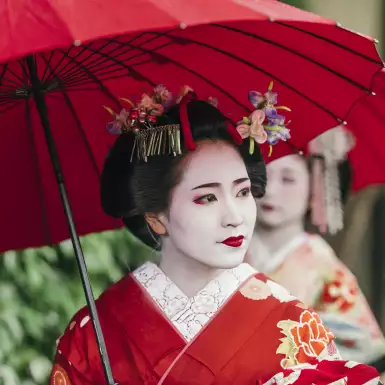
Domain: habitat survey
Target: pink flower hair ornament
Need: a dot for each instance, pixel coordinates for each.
(152, 139)
(264, 124)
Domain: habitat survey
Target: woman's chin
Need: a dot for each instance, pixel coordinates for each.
(230, 260)
(269, 221)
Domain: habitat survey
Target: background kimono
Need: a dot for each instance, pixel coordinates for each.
(311, 271)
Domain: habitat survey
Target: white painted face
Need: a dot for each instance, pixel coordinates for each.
(212, 213)
(287, 192)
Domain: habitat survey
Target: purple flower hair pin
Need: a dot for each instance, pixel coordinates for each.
(264, 123)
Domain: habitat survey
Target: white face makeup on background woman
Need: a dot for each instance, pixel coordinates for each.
(287, 192)
(212, 213)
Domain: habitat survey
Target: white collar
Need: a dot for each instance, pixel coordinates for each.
(190, 315)
(276, 259)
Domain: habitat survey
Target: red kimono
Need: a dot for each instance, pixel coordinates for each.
(242, 328)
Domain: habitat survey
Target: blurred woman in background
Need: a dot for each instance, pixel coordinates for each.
(304, 263)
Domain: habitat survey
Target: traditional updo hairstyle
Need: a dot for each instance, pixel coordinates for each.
(131, 189)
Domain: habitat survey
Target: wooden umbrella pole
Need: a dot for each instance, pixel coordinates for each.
(38, 95)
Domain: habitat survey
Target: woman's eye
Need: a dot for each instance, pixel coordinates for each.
(209, 198)
(244, 192)
(287, 180)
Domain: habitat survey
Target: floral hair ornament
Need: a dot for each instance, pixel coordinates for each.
(264, 123)
(141, 118)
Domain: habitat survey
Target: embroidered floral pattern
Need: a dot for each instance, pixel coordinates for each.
(304, 341)
(59, 376)
(326, 373)
(284, 379)
(301, 305)
(190, 315)
(255, 289)
(279, 292)
(342, 292)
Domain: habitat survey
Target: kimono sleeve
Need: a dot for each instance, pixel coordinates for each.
(72, 365)
(310, 354)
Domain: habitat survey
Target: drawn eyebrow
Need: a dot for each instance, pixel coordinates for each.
(216, 184)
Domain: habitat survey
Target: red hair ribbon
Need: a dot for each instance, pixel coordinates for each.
(185, 123)
(186, 129)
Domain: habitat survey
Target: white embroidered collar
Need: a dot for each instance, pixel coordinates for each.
(190, 315)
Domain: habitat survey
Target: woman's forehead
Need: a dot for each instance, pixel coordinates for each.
(213, 162)
(289, 163)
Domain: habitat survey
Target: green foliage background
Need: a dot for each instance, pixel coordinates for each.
(40, 290)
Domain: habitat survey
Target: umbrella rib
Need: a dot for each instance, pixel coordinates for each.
(47, 233)
(85, 140)
(60, 61)
(363, 96)
(109, 41)
(5, 67)
(26, 76)
(66, 55)
(72, 89)
(267, 73)
(16, 76)
(10, 107)
(75, 68)
(43, 79)
(268, 41)
(7, 100)
(129, 68)
(96, 62)
(102, 87)
(330, 41)
(81, 131)
(178, 64)
(12, 84)
(81, 79)
(99, 61)
(77, 121)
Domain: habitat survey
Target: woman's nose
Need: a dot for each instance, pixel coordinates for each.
(231, 215)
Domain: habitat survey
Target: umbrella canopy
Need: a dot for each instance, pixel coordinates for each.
(29, 26)
(325, 73)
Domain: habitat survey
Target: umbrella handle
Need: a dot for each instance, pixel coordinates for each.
(41, 105)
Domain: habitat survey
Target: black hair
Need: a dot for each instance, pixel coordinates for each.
(131, 189)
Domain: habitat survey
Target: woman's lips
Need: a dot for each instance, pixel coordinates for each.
(234, 241)
(267, 207)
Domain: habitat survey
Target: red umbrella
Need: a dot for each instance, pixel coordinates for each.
(221, 48)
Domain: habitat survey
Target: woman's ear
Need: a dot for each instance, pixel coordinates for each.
(155, 223)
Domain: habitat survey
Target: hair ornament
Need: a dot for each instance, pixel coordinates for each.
(264, 124)
(141, 119)
(327, 151)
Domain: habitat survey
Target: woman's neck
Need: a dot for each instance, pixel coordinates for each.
(187, 273)
(263, 252)
(275, 238)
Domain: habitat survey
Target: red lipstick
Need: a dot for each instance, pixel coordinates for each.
(234, 241)
(267, 207)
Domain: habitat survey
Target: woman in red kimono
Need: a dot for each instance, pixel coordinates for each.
(202, 316)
